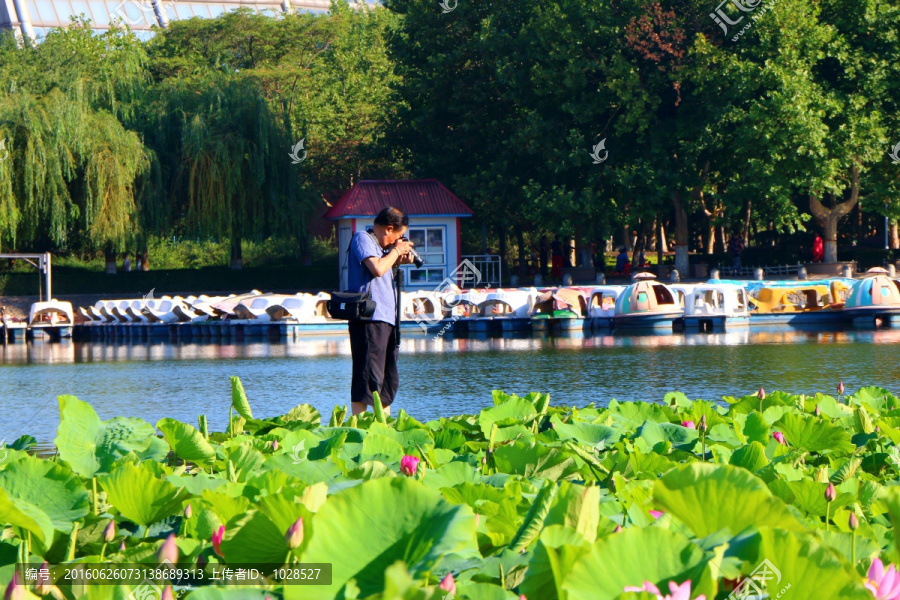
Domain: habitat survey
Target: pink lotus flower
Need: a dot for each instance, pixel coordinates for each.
(884, 585)
(761, 394)
(830, 493)
(818, 412)
(448, 585)
(678, 592)
(840, 388)
(188, 511)
(408, 465)
(617, 529)
(122, 546)
(167, 593)
(274, 445)
(168, 552)
(109, 532)
(779, 437)
(15, 590)
(294, 535)
(217, 540)
(657, 513)
(688, 424)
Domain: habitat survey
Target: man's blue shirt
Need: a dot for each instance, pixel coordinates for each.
(363, 246)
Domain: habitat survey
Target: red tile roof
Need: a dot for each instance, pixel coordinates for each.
(422, 197)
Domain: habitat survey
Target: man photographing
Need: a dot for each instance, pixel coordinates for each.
(373, 254)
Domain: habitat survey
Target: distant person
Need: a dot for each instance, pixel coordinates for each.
(818, 249)
(621, 261)
(598, 257)
(126, 264)
(138, 267)
(557, 256)
(735, 248)
(544, 253)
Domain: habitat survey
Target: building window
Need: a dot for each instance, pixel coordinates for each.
(430, 244)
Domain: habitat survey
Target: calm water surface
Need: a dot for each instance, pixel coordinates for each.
(439, 377)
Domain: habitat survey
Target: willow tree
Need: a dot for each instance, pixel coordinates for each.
(68, 179)
(229, 173)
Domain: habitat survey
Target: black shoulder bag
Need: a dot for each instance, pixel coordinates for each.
(353, 306)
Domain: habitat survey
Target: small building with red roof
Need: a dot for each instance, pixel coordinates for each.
(435, 215)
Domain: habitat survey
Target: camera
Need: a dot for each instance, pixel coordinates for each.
(416, 258)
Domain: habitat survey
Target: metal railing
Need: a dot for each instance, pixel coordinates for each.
(768, 270)
(489, 267)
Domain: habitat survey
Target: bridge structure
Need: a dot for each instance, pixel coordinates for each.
(32, 19)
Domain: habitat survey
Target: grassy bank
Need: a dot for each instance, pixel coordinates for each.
(521, 499)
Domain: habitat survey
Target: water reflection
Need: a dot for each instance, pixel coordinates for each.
(440, 376)
(46, 353)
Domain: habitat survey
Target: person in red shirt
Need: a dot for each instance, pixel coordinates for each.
(818, 249)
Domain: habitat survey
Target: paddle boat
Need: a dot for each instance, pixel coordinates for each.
(464, 308)
(52, 317)
(647, 304)
(874, 300)
(255, 308)
(797, 305)
(716, 306)
(422, 310)
(602, 305)
(505, 310)
(562, 309)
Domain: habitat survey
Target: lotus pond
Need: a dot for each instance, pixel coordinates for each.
(790, 496)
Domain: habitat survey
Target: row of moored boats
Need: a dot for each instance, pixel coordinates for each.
(644, 304)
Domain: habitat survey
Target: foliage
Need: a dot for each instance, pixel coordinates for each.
(523, 498)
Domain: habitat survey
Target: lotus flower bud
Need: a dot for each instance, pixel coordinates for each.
(840, 388)
(15, 590)
(294, 535)
(702, 423)
(201, 561)
(522, 597)
(484, 460)
(109, 532)
(167, 593)
(761, 393)
(447, 584)
(854, 522)
(188, 512)
(274, 445)
(42, 587)
(122, 546)
(408, 465)
(818, 412)
(476, 520)
(217, 536)
(168, 552)
(688, 424)
(617, 529)
(779, 437)
(830, 493)
(657, 513)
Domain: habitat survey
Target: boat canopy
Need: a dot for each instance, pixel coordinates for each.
(874, 291)
(645, 296)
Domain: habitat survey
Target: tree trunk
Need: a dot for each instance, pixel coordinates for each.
(237, 256)
(110, 261)
(682, 235)
(723, 243)
(711, 240)
(520, 239)
(660, 242)
(828, 218)
(653, 242)
(664, 245)
(504, 266)
(895, 235)
(746, 232)
(306, 255)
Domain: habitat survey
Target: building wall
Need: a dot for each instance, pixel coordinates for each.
(448, 228)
